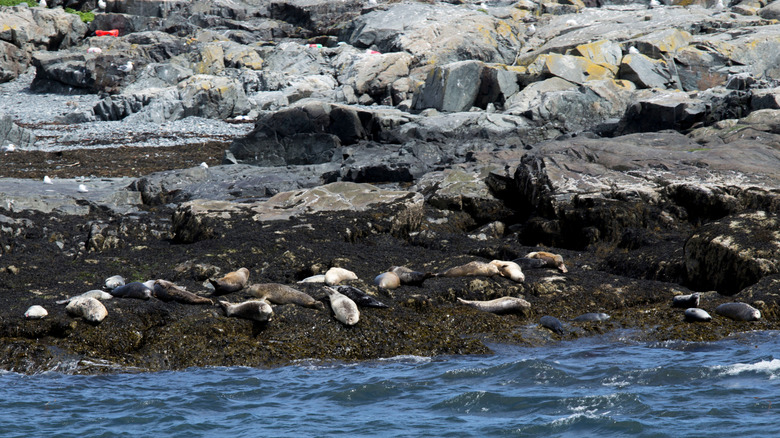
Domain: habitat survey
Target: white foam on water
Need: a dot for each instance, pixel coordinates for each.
(771, 367)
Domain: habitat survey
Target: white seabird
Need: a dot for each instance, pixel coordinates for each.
(102, 4)
(126, 68)
(47, 180)
(633, 50)
(10, 147)
(83, 188)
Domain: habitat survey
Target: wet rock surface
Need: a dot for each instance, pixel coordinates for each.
(641, 144)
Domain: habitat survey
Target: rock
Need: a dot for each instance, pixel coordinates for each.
(659, 43)
(733, 253)
(202, 219)
(770, 12)
(64, 198)
(40, 28)
(321, 17)
(575, 69)
(13, 61)
(498, 84)
(452, 87)
(372, 74)
(668, 110)
(11, 133)
(700, 69)
(645, 72)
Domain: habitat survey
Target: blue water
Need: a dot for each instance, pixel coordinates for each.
(607, 386)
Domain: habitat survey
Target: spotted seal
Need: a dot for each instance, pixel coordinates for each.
(135, 289)
(592, 316)
(35, 312)
(471, 269)
(361, 298)
(738, 311)
(334, 276)
(409, 276)
(165, 290)
(94, 293)
(231, 282)
(499, 305)
(387, 280)
(344, 309)
(114, 282)
(319, 278)
(510, 270)
(552, 323)
(88, 308)
(686, 301)
(281, 294)
(695, 314)
(550, 260)
(255, 310)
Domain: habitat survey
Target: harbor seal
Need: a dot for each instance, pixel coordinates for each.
(593, 316)
(499, 305)
(686, 301)
(114, 282)
(550, 260)
(94, 293)
(510, 270)
(35, 312)
(334, 276)
(135, 289)
(167, 291)
(231, 282)
(87, 308)
(697, 315)
(738, 311)
(281, 294)
(471, 269)
(255, 310)
(387, 280)
(319, 278)
(409, 276)
(361, 298)
(344, 309)
(552, 323)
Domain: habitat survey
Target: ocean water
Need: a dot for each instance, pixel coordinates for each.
(607, 386)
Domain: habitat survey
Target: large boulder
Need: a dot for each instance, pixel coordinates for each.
(402, 211)
(452, 87)
(733, 253)
(11, 133)
(668, 110)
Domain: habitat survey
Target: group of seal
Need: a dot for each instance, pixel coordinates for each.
(735, 311)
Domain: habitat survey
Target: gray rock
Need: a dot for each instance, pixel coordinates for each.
(64, 197)
(11, 133)
(13, 61)
(645, 72)
(321, 17)
(452, 87)
(668, 110)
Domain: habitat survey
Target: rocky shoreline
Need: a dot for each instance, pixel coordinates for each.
(638, 142)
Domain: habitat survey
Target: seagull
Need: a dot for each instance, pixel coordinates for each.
(719, 5)
(654, 4)
(102, 4)
(10, 147)
(43, 3)
(204, 166)
(47, 180)
(632, 50)
(94, 50)
(531, 29)
(83, 188)
(126, 68)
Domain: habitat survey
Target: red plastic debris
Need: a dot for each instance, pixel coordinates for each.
(112, 32)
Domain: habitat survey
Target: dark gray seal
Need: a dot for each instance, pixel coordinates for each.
(255, 310)
(135, 289)
(409, 276)
(167, 291)
(593, 316)
(551, 323)
(361, 298)
(738, 311)
(697, 315)
(686, 301)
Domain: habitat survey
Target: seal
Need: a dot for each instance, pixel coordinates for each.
(255, 310)
(135, 289)
(167, 291)
(114, 282)
(471, 269)
(738, 311)
(510, 270)
(697, 315)
(552, 323)
(319, 278)
(281, 294)
(94, 293)
(35, 312)
(361, 298)
(387, 280)
(88, 308)
(231, 282)
(344, 309)
(410, 277)
(593, 316)
(499, 305)
(550, 260)
(686, 301)
(334, 276)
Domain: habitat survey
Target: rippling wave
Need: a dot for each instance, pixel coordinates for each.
(580, 388)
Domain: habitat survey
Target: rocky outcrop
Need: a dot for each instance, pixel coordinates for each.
(13, 134)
